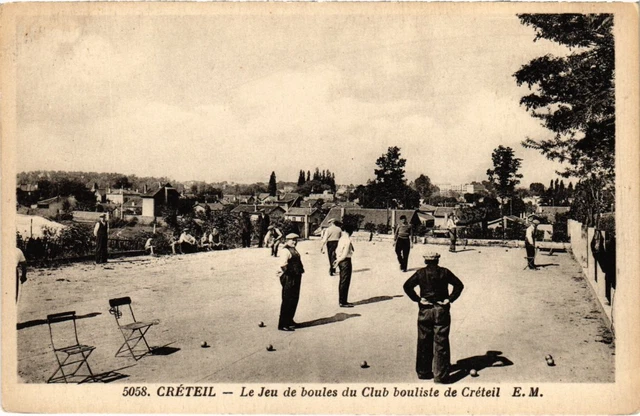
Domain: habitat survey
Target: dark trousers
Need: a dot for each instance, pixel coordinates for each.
(290, 297)
(18, 274)
(531, 255)
(101, 250)
(274, 248)
(246, 239)
(403, 246)
(433, 342)
(331, 253)
(452, 237)
(188, 247)
(345, 280)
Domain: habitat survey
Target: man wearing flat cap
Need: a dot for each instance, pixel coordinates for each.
(530, 242)
(101, 233)
(290, 274)
(434, 320)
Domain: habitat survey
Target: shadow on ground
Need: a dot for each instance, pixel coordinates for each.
(36, 322)
(339, 317)
(462, 368)
(164, 350)
(375, 299)
(463, 250)
(110, 376)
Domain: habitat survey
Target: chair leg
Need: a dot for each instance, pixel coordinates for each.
(130, 347)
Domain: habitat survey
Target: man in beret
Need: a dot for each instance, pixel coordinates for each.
(434, 319)
(290, 275)
(530, 242)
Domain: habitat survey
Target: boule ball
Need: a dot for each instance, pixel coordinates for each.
(473, 372)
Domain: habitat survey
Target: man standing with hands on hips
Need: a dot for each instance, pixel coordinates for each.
(290, 275)
(434, 321)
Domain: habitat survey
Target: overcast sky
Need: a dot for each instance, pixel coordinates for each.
(232, 98)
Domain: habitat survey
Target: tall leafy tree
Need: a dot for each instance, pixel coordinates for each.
(389, 189)
(536, 188)
(424, 186)
(273, 187)
(504, 176)
(574, 95)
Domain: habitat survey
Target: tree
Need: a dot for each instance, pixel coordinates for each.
(389, 189)
(574, 95)
(301, 179)
(504, 176)
(122, 183)
(273, 187)
(536, 189)
(424, 186)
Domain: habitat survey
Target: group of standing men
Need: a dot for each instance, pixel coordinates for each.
(434, 299)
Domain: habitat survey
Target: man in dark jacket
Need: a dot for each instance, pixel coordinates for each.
(434, 320)
(100, 231)
(290, 273)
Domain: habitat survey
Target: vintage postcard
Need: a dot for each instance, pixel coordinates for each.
(320, 208)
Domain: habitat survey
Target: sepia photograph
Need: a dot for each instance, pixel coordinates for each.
(320, 208)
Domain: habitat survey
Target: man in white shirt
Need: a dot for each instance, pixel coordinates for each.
(530, 242)
(330, 239)
(453, 230)
(344, 251)
(187, 242)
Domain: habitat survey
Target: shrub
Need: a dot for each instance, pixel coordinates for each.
(352, 220)
(371, 227)
(383, 228)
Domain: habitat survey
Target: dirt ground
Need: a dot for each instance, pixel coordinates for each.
(221, 297)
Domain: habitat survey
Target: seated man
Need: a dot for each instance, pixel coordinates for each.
(214, 240)
(204, 242)
(148, 246)
(187, 242)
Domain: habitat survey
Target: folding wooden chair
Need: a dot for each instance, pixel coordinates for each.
(78, 353)
(132, 330)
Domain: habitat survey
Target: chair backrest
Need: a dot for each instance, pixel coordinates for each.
(119, 311)
(62, 335)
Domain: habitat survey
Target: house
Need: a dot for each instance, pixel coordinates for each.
(246, 199)
(311, 203)
(289, 200)
(101, 195)
(120, 196)
(202, 207)
(153, 202)
(306, 219)
(263, 196)
(259, 211)
(133, 205)
(326, 196)
(426, 219)
(387, 217)
(441, 215)
(504, 221)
